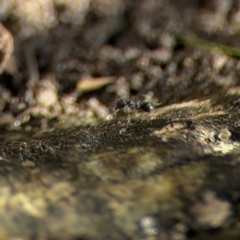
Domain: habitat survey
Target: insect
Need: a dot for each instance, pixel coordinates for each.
(130, 106)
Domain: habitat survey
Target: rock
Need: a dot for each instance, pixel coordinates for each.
(134, 178)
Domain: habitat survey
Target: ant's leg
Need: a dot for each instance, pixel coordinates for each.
(130, 107)
(171, 122)
(128, 111)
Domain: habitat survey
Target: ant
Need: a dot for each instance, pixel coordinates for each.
(130, 106)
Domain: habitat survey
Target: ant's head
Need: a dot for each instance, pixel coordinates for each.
(121, 103)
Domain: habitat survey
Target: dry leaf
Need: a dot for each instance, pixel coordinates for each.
(6, 47)
(88, 85)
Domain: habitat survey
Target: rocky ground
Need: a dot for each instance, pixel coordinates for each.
(78, 164)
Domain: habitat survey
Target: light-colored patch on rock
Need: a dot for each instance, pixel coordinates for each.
(211, 212)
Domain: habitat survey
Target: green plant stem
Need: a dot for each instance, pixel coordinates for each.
(198, 42)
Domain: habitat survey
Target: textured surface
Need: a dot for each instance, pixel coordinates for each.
(171, 174)
(168, 174)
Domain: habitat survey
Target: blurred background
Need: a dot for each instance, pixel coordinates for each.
(74, 59)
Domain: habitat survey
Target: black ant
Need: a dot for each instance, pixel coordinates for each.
(130, 106)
